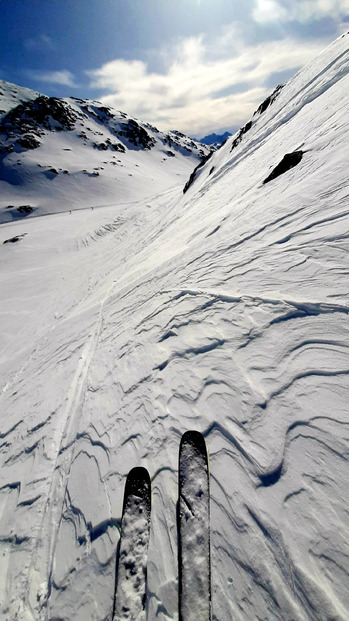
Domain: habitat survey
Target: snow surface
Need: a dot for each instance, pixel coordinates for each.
(224, 310)
(12, 95)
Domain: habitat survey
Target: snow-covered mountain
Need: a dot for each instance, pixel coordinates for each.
(223, 309)
(55, 152)
(12, 96)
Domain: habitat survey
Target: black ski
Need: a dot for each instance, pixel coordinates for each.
(131, 567)
(194, 529)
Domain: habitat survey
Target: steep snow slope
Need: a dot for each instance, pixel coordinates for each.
(12, 95)
(230, 317)
(62, 154)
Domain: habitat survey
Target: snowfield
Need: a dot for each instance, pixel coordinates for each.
(225, 310)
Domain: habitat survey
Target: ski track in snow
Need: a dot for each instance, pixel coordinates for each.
(229, 316)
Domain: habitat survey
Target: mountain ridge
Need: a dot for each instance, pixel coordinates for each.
(215, 139)
(47, 144)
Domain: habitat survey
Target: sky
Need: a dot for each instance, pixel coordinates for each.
(198, 66)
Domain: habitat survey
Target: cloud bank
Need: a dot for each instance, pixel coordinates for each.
(63, 77)
(206, 85)
(301, 11)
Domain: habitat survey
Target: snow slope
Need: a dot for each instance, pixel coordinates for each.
(224, 309)
(12, 95)
(59, 154)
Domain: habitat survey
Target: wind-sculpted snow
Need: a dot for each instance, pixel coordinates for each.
(224, 310)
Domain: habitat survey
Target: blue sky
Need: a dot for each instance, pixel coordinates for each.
(193, 65)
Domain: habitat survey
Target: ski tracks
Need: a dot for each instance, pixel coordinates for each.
(40, 573)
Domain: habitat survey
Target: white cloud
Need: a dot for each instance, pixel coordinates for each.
(63, 77)
(193, 95)
(42, 42)
(298, 10)
(268, 10)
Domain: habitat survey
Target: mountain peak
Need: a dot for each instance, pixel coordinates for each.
(215, 139)
(47, 144)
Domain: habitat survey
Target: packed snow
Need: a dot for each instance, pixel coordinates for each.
(225, 310)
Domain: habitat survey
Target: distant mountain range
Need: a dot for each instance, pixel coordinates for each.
(215, 139)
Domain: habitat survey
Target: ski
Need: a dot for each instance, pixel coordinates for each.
(131, 570)
(194, 529)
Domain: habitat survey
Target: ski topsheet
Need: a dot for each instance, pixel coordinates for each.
(132, 564)
(194, 529)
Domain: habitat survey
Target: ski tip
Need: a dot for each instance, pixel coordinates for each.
(138, 482)
(195, 438)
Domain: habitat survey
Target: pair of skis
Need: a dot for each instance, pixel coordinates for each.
(193, 519)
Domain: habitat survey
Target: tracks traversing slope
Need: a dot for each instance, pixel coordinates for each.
(44, 553)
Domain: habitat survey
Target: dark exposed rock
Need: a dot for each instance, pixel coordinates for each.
(242, 131)
(99, 112)
(22, 126)
(105, 112)
(15, 239)
(194, 173)
(269, 100)
(177, 133)
(43, 112)
(94, 173)
(288, 161)
(152, 128)
(114, 146)
(264, 105)
(117, 146)
(8, 148)
(136, 135)
(101, 146)
(25, 209)
(28, 141)
(170, 153)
